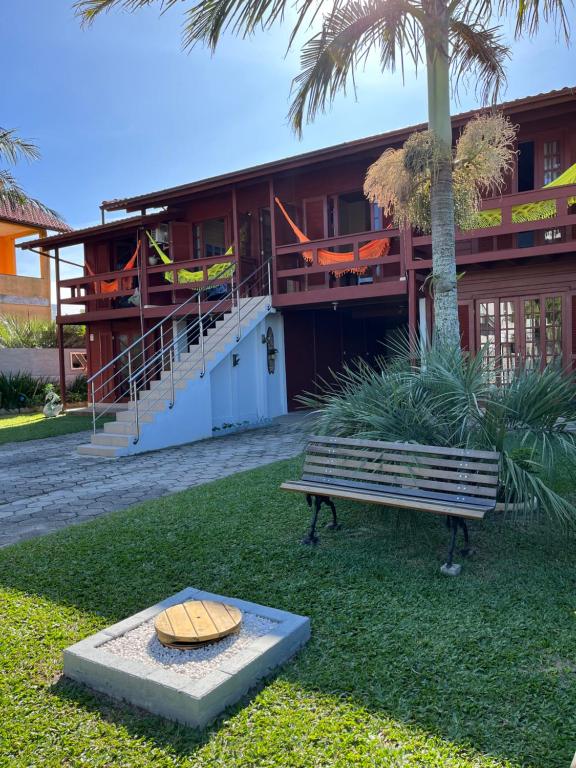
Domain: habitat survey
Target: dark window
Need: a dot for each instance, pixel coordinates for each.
(353, 213)
(525, 166)
(122, 251)
(265, 233)
(210, 239)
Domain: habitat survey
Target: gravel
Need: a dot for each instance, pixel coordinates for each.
(141, 644)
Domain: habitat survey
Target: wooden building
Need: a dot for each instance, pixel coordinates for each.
(518, 280)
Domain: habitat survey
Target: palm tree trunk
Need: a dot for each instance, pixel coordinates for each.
(447, 331)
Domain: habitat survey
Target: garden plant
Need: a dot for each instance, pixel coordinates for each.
(442, 397)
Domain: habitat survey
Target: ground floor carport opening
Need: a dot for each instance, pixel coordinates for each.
(325, 338)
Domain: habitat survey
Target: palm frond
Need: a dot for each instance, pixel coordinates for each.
(12, 194)
(208, 19)
(10, 191)
(349, 34)
(13, 148)
(88, 10)
(448, 399)
(478, 52)
(530, 14)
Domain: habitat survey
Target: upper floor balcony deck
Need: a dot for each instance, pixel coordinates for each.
(363, 265)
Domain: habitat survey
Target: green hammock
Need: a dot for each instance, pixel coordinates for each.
(546, 209)
(219, 271)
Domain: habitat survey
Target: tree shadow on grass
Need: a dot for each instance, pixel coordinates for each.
(478, 660)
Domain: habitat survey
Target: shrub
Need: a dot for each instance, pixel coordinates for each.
(77, 392)
(21, 390)
(19, 332)
(449, 399)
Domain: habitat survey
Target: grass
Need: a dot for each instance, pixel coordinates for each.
(33, 426)
(405, 668)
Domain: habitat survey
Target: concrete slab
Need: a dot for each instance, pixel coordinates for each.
(195, 701)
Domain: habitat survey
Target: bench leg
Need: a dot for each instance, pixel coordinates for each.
(467, 550)
(450, 568)
(315, 503)
(334, 525)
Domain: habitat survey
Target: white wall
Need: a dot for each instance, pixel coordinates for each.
(38, 362)
(247, 392)
(243, 395)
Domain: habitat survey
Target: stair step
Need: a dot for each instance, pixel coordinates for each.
(115, 441)
(129, 418)
(117, 436)
(120, 427)
(104, 451)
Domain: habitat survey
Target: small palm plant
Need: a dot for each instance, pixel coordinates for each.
(12, 149)
(451, 400)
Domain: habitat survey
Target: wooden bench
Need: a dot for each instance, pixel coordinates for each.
(458, 483)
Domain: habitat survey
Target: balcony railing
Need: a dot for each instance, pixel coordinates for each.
(513, 229)
(161, 284)
(319, 277)
(506, 235)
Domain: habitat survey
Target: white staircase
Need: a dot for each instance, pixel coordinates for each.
(170, 393)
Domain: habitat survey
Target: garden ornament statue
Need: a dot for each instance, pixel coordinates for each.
(53, 406)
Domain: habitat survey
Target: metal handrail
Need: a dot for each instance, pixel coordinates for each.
(181, 377)
(154, 364)
(139, 376)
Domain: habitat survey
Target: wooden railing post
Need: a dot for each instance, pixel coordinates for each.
(272, 205)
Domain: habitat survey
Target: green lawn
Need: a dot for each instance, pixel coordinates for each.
(405, 668)
(32, 426)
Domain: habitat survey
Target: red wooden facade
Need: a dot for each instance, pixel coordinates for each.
(518, 281)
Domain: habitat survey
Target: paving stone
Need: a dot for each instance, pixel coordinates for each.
(45, 485)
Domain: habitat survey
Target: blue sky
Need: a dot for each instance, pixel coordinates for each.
(118, 109)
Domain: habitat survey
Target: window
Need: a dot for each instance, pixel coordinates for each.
(532, 332)
(209, 238)
(552, 169)
(551, 161)
(265, 233)
(507, 338)
(377, 220)
(353, 213)
(528, 328)
(553, 327)
(525, 166)
(79, 361)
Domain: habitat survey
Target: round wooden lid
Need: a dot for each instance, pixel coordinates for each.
(196, 621)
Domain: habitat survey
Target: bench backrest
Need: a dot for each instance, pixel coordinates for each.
(454, 475)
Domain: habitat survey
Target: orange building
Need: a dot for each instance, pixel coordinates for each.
(21, 293)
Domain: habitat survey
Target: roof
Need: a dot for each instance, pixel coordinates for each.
(31, 215)
(171, 195)
(163, 196)
(77, 236)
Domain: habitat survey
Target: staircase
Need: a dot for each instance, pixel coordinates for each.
(170, 381)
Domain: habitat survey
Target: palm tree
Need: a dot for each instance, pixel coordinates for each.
(452, 38)
(13, 149)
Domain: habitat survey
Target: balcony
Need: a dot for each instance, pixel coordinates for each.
(335, 269)
(511, 229)
(118, 294)
(318, 271)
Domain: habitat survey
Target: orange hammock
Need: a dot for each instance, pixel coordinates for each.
(372, 250)
(110, 286)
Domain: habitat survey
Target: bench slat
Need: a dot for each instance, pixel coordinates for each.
(371, 453)
(411, 447)
(398, 490)
(457, 488)
(380, 468)
(406, 502)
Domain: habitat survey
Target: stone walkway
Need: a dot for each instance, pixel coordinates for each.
(45, 485)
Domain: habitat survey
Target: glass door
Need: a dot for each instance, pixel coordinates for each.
(527, 329)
